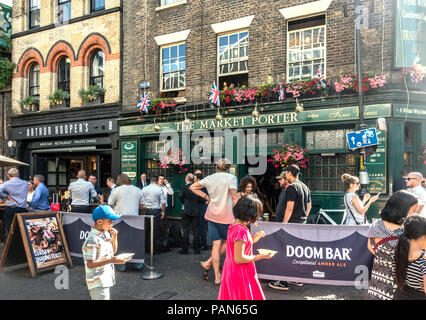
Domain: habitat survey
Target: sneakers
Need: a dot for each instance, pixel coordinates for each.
(297, 284)
(283, 285)
(279, 285)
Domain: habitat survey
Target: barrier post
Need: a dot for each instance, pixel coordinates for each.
(151, 274)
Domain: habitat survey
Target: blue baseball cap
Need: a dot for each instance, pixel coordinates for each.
(104, 212)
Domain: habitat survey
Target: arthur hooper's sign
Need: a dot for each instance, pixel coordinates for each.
(335, 255)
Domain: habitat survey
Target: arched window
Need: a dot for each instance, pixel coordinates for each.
(34, 80)
(97, 68)
(64, 66)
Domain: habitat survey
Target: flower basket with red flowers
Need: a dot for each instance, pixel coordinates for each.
(159, 106)
(290, 154)
(174, 158)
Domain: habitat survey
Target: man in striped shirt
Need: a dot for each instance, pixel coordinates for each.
(98, 253)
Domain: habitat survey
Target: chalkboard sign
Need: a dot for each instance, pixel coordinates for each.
(43, 240)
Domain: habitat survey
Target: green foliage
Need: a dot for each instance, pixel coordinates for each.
(28, 101)
(91, 94)
(58, 97)
(6, 71)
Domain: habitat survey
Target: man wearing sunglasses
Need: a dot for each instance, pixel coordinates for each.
(414, 184)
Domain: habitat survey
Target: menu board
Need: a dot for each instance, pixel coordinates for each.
(376, 167)
(129, 159)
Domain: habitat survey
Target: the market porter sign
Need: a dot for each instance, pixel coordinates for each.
(264, 120)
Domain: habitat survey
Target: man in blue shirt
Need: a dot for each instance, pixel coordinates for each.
(40, 200)
(15, 192)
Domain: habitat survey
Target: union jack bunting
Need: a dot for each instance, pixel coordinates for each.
(214, 96)
(144, 103)
(321, 78)
(281, 97)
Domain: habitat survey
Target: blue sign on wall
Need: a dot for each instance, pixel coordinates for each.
(362, 139)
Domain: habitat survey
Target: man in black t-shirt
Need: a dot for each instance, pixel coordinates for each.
(298, 197)
(296, 208)
(280, 210)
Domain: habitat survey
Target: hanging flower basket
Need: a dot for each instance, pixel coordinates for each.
(174, 159)
(290, 154)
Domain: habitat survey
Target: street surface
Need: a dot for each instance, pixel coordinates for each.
(182, 280)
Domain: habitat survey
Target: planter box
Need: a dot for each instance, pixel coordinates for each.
(63, 105)
(28, 109)
(99, 100)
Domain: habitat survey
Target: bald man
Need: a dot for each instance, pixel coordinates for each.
(414, 184)
(80, 192)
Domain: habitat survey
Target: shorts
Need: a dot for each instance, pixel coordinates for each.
(217, 231)
(99, 293)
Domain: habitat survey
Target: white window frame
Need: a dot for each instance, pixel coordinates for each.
(238, 60)
(324, 26)
(176, 44)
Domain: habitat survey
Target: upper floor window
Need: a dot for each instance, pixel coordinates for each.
(173, 67)
(96, 5)
(34, 80)
(64, 10)
(233, 59)
(97, 68)
(167, 2)
(306, 48)
(64, 79)
(34, 13)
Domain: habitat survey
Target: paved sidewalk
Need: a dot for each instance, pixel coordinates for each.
(182, 280)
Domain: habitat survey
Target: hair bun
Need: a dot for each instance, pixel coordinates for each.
(345, 177)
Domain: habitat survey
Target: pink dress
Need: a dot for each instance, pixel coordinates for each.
(239, 281)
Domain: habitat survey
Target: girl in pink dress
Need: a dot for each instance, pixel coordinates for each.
(239, 277)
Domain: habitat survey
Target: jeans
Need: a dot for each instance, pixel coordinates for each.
(80, 209)
(157, 219)
(9, 213)
(99, 293)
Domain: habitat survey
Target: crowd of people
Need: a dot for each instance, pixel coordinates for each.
(397, 240)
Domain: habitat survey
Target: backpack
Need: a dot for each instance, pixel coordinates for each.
(175, 236)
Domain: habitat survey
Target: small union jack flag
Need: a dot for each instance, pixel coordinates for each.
(144, 103)
(321, 78)
(281, 97)
(214, 96)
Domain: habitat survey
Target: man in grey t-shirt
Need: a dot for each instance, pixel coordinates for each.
(79, 192)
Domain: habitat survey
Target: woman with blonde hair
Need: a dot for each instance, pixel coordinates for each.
(356, 210)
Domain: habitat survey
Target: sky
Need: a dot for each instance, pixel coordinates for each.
(7, 2)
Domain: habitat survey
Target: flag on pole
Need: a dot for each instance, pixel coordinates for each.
(144, 103)
(214, 96)
(321, 78)
(281, 97)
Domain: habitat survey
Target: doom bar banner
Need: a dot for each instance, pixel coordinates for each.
(131, 234)
(320, 254)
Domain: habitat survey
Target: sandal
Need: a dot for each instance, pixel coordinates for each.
(205, 272)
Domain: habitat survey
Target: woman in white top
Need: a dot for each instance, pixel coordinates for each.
(31, 191)
(355, 208)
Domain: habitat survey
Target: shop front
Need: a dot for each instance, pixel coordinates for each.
(320, 130)
(59, 150)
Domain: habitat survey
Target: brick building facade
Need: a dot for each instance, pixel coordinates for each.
(71, 46)
(267, 31)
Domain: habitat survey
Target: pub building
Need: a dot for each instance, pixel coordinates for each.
(66, 89)
(59, 149)
(190, 45)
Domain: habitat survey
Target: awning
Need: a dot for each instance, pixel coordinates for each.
(9, 162)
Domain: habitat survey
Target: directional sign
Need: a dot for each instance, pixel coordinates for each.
(362, 139)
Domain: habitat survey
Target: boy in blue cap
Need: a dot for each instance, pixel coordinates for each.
(98, 253)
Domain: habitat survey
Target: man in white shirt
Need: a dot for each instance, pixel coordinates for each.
(414, 184)
(80, 192)
(126, 200)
